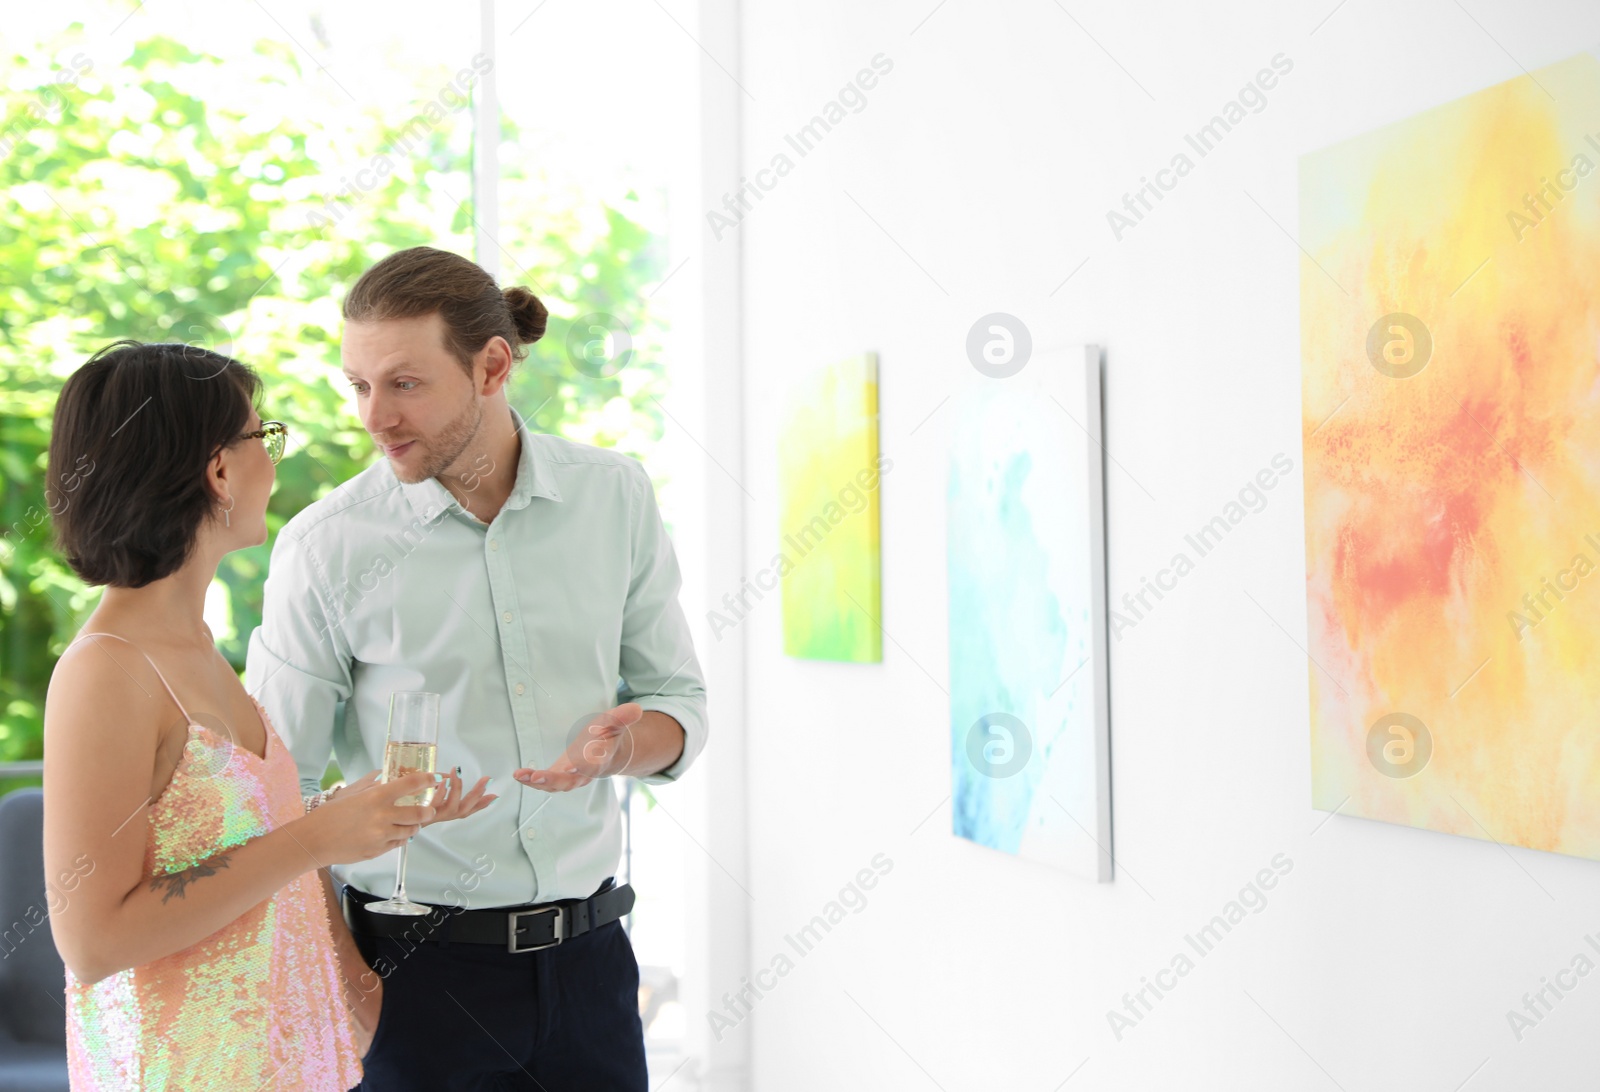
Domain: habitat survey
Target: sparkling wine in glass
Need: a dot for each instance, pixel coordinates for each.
(412, 746)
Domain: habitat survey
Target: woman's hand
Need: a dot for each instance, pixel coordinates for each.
(365, 999)
(449, 803)
(362, 986)
(356, 786)
(365, 820)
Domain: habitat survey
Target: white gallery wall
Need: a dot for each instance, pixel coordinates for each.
(975, 176)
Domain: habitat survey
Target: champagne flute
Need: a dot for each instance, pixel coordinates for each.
(412, 746)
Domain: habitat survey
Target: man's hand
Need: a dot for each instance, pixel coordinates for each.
(602, 748)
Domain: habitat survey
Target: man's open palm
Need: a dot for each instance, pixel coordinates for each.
(602, 748)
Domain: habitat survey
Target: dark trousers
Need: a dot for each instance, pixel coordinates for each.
(476, 1018)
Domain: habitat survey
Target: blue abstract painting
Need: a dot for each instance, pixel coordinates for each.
(1030, 769)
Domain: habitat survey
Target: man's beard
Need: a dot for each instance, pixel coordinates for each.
(443, 450)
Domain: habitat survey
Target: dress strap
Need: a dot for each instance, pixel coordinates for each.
(152, 664)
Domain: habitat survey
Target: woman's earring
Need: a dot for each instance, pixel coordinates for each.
(227, 520)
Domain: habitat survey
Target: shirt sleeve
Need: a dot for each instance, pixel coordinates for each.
(298, 663)
(658, 664)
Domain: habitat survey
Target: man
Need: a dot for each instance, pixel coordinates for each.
(529, 581)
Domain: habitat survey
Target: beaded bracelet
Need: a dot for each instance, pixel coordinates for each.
(317, 799)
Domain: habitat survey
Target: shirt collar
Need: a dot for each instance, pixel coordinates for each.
(430, 499)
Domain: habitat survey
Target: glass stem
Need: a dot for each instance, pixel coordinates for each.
(400, 871)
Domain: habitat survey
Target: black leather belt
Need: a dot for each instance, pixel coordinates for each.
(519, 928)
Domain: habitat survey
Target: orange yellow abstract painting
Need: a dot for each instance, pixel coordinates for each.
(1450, 337)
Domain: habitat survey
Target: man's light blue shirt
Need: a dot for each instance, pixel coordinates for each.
(565, 605)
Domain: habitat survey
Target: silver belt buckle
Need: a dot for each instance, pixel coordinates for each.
(511, 927)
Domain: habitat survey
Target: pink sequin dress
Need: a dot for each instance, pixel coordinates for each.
(257, 1004)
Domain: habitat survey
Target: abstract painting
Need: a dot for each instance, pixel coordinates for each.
(1029, 748)
(1450, 317)
(828, 476)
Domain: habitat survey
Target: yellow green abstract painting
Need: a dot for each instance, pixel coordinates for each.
(828, 474)
(1450, 338)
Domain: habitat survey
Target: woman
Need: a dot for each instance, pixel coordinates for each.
(200, 949)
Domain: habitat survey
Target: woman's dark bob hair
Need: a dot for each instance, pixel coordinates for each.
(134, 428)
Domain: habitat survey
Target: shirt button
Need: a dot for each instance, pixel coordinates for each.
(528, 833)
(520, 688)
(506, 616)
(494, 544)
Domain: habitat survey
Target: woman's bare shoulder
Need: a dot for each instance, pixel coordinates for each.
(102, 678)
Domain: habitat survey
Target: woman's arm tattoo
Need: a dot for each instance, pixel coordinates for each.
(176, 883)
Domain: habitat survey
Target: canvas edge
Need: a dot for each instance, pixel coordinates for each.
(1093, 361)
(873, 373)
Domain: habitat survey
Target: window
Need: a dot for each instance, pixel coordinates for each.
(219, 175)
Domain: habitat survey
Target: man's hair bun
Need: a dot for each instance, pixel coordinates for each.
(527, 312)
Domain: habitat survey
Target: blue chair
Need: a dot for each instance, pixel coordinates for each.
(33, 1015)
